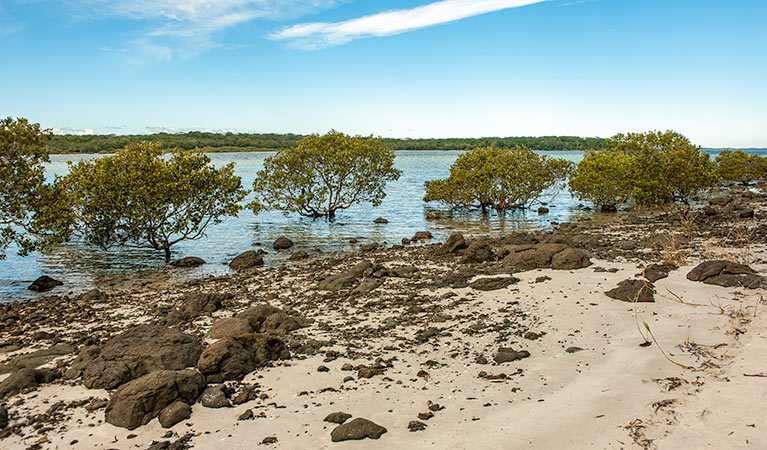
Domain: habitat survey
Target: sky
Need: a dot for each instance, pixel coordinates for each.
(394, 68)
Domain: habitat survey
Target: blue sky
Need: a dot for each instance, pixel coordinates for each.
(398, 68)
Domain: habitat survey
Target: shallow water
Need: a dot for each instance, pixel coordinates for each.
(79, 265)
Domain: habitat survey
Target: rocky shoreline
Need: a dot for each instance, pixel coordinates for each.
(470, 341)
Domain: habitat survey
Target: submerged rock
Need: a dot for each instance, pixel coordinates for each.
(282, 243)
(44, 283)
(189, 261)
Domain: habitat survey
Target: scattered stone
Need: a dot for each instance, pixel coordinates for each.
(269, 440)
(655, 272)
(727, 274)
(508, 354)
(357, 429)
(368, 285)
(195, 304)
(632, 290)
(542, 211)
(44, 283)
(175, 413)
(493, 284)
(189, 261)
(338, 281)
(3, 417)
(323, 369)
(247, 260)
(84, 357)
(36, 358)
(381, 220)
(478, 251)
(247, 415)
(338, 417)
(215, 397)
(570, 259)
(573, 349)
(282, 243)
(137, 402)
(415, 425)
(425, 415)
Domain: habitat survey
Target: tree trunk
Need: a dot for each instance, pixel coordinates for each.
(167, 254)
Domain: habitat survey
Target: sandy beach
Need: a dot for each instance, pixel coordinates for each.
(444, 348)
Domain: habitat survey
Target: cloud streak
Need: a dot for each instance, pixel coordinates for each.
(325, 34)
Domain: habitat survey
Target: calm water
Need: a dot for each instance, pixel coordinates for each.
(79, 265)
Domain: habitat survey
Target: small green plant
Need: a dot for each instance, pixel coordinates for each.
(501, 179)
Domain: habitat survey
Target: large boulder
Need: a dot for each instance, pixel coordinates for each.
(256, 315)
(174, 413)
(727, 274)
(357, 429)
(655, 272)
(421, 236)
(247, 260)
(633, 290)
(139, 401)
(84, 357)
(453, 244)
(233, 358)
(138, 351)
(44, 283)
(25, 379)
(229, 327)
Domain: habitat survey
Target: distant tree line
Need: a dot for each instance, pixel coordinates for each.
(241, 142)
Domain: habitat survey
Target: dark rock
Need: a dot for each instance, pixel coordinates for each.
(404, 271)
(189, 261)
(518, 238)
(570, 259)
(359, 269)
(478, 251)
(542, 211)
(632, 290)
(281, 323)
(137, 402)
(195, 304)
(381, 220)
(357, 429)
(24, 379)
(140, 350)
(338, 281)
(84, 357)
(727, 274)
(425, 415)
(368, 247)
(233, 358)
(573, 349)
(3, 417)
(368, 285)
(229, 327)
(370, 371)
(492, 284)
(338, 417)
(256, 315)
(91, 296)
(453, 244)
(269, 440)
(655, 272)
(421, 236)
(533, 256)
(215, 397)
(282, 243)
(247, 415)
(36, 358)
(247, 260)
(44, 283)
(415, 425)
(175, 413)
(506, 354)
(298, 256)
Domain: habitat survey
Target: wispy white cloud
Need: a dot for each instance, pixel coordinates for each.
(175, 130)
(170, 28)
(325, 34)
